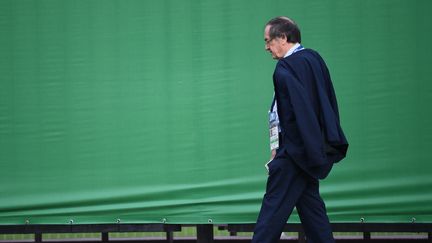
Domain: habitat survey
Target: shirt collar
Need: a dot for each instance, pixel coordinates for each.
(292, 49)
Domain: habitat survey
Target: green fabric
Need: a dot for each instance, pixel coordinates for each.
(146, 111)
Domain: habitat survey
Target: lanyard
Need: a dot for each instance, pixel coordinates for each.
(273, 103)
(299, 48)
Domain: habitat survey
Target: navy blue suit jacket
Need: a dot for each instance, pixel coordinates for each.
(311, 134)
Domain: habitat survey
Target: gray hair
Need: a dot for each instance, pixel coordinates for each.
(284, 27)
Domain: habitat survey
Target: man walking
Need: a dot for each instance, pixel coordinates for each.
(305, 136)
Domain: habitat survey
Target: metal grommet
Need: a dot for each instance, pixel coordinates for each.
(118, 221)
(362, 220)
(27, 221)
(71, 221)
(413, 220)
(210, 221)
(164, 220)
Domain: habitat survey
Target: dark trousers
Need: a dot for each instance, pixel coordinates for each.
(289, 186)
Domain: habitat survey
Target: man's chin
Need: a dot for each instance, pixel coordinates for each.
(274, 56)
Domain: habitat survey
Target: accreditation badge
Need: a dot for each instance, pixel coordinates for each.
(274, 130)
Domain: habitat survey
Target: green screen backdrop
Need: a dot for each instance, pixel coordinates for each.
(151, 110)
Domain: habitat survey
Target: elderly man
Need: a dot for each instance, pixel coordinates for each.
(305, 136)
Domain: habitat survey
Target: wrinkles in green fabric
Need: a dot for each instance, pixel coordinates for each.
(147, 111)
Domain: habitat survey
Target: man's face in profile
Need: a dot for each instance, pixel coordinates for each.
(275, 46)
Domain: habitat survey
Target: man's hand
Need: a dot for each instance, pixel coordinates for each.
(273, 154)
